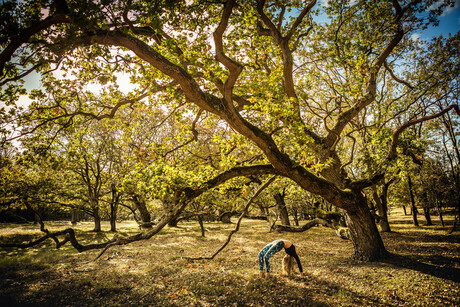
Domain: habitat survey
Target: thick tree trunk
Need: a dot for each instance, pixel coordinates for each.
(382, 206)
(97, 221)
(284, 216)
(382, 209)
(139, 202)
(367, 243)
(412, 200)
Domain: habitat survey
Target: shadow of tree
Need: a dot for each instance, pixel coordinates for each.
(444, 269)
(433, 254)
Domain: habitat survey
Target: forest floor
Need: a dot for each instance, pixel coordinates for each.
(423, 270)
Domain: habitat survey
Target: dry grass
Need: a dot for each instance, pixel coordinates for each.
(424, 269)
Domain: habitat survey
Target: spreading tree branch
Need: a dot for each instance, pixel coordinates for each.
(400, 129)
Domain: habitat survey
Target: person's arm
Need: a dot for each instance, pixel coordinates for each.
(298, 262)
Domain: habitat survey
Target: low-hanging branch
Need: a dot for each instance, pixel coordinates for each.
(340, 231)
(182, 197)
(237, 227)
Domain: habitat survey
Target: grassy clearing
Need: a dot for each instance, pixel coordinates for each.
(424, 270)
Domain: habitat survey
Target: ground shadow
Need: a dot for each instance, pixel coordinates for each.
(220, 289)
(432, 254)
(411, 262)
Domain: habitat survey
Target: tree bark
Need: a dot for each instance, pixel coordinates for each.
(412, 201)
(74, 216)
(296, 217)
(367, 243)
(384, 224)
(97, 220)
(200, 221)
(139, 202)
(114, 208)
(426, 212)
(440, 213)
(308, 225)
(381, 202)
(284, 215)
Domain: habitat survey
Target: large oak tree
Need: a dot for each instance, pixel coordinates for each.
(292, 87)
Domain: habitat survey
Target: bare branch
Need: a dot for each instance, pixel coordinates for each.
(237, 227)
(400, 129)
(194, 134)
(395, 77)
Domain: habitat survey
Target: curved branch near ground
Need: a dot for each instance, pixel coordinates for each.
(182, 197)
(308, 225)
(237, 227)
(340, 231)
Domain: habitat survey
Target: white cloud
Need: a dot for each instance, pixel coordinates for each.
(450, 9)
(447, 10)
(415, 37)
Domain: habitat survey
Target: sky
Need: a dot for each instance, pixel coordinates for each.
(449, 23)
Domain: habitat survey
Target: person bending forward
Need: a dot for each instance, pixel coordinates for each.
(272, 248)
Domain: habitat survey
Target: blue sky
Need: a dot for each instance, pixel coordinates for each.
(449, 23)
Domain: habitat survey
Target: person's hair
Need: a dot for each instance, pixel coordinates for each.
(288, 265)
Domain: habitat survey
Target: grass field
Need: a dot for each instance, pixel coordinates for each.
(424, 269)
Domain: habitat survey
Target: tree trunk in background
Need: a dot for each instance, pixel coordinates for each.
(200, 221)
(439, 203)
(284, 216)
(426, 212)
(412, 200)
(97, 220)
(404, 208)
(296, 217)
(114, 208)
(74, 216)
(454, 168)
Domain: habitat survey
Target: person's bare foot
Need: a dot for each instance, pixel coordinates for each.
(261, 274)
(267, 275)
